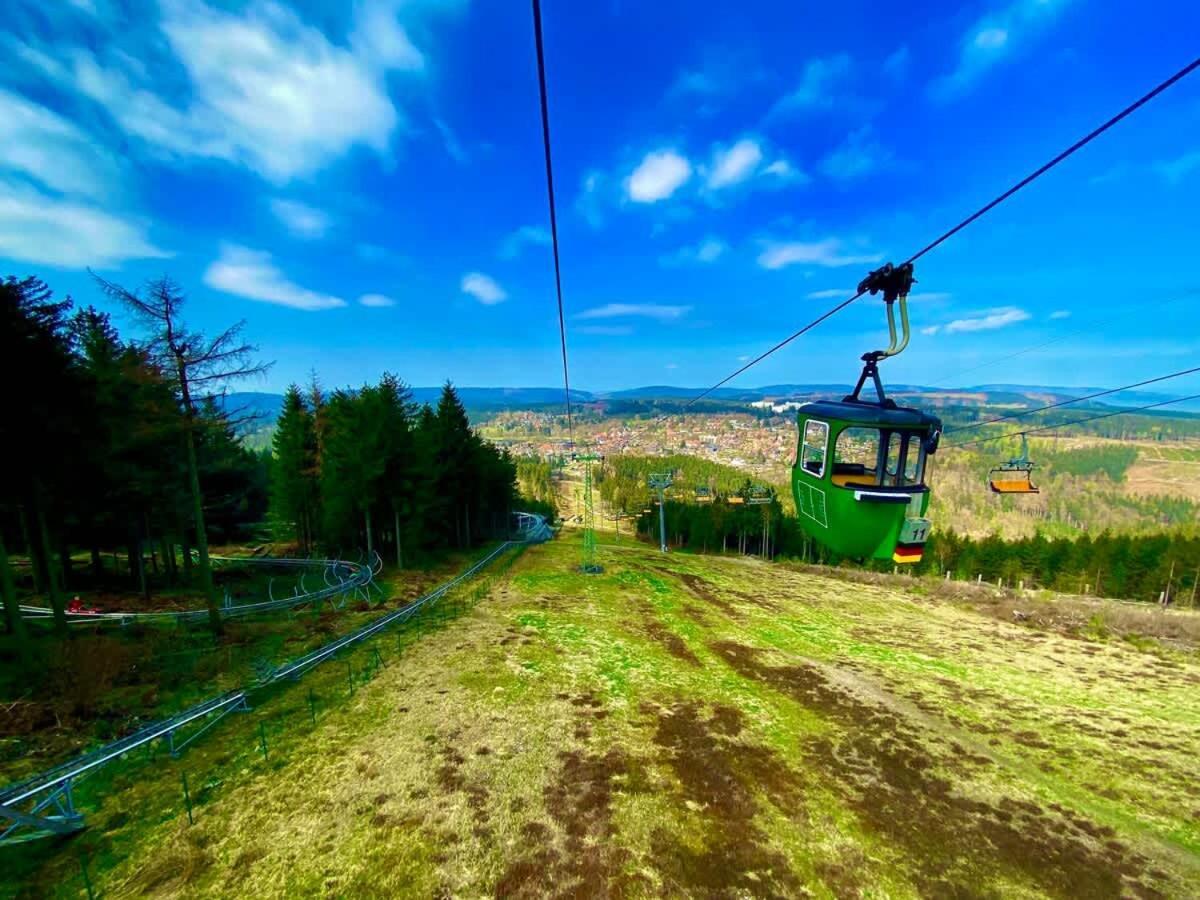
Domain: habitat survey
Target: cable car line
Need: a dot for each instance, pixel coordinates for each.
(979, 213)
(1041, 428)
(562, 322)
(1104, 393)
(861, 502)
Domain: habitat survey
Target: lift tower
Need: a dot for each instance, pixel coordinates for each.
(660, 481)
(588, 563)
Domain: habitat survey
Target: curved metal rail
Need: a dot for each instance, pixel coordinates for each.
(342, 579)
(301, 664)
(43, 803)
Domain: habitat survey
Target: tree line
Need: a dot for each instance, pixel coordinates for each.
(370, 468)
(118, 444)
(1121, 566)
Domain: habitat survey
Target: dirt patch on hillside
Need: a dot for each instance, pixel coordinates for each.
(673, 643)
(722, 777)
(661, 634)
(894, 782)
(707, 592)
(451, 779)
(586, 861)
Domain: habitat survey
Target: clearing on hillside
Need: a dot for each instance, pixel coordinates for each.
(697, 726)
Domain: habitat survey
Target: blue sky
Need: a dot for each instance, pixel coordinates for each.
(362, 182)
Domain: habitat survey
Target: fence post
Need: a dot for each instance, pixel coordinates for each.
(187, 798)
(979, 578)
(312, 706)
(87, 881)
(378, 658)
(350, 676)
(262, 738)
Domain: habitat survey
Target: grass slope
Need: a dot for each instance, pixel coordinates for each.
(692, 726)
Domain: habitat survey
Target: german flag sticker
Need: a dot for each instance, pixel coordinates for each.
(907, 553)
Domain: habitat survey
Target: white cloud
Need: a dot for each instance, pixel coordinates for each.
(994, 38)
(671, 366)
(734, 164)
(260, 87)
(1175, 170)
(785, 171)
(859, 155)
(253, 274)
(817, 83)
(379, 38)
(526, 235)
(992, 319)
(606, 330)
(1061, 314)
(741, 165)
(720, 72)
(46, 230)
(828, 253)
(483, 288)
(376, 300)
(662, 313)
(657, 176)
(708, 250)
(695, 81)
(831, 294)
(301, 220)
(42, 146)
(60, 193)
(931, 329)
(589, 203)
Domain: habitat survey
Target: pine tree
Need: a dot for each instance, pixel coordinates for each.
(455, 474)
(294, 484)
(200, 367)
(39, 430)
(401, 472)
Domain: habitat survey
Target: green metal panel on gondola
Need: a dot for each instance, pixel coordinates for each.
(858, 478)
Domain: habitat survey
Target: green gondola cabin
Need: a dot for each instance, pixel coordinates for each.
(858, 477)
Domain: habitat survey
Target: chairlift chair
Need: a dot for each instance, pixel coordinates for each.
(759, 495)
(1014, 476)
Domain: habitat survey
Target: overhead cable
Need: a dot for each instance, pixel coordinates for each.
(979, 213)
(562, 322)
(1098, 394)
(1041, 428)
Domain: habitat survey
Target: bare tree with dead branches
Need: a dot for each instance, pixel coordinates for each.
(200, 367)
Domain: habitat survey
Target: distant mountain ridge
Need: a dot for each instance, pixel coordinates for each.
(266, 406)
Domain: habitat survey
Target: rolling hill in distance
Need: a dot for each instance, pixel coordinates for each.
(265, 406)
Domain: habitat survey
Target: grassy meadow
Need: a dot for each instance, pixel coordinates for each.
(683, 726)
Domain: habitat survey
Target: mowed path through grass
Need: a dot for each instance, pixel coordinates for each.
(699, 726)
